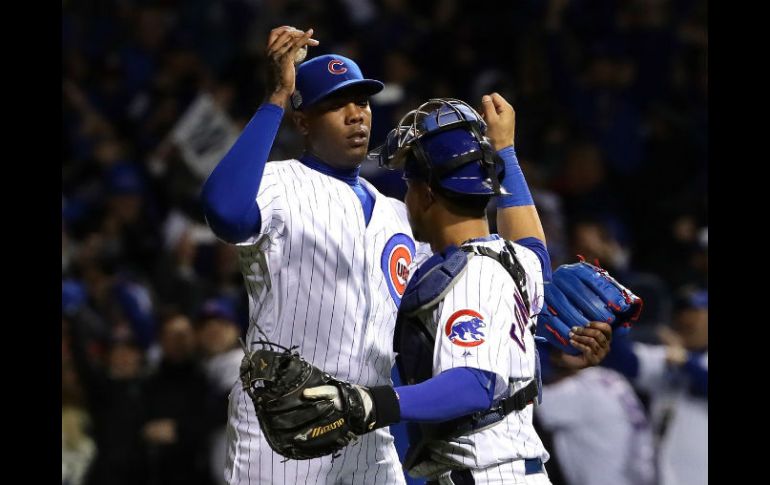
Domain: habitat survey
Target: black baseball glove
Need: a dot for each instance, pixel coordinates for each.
(303, 411)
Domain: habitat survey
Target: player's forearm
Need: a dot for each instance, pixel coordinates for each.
(517, 216)
(229, 194)
(449, 395)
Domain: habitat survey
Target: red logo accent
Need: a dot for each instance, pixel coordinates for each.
(398, 267)
(334, 69)
(465, 332)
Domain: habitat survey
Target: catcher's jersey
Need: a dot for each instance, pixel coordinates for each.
(483, 323)
(320, 279)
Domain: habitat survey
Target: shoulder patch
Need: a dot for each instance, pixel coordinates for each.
(464, 328)
(395, 261)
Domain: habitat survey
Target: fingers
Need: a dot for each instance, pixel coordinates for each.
(589, 354)
(282, 41)
(604, 328)
(500, 104)
(320, 392)
(589, 335)
(488, 110)
(275, 33)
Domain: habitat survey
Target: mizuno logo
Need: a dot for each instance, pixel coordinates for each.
(320, 430)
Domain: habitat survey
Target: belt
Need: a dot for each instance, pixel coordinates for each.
(465, 477)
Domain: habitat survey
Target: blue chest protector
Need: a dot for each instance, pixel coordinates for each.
(415, 337)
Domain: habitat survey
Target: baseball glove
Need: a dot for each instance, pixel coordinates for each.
(297, 427)
(580, 293)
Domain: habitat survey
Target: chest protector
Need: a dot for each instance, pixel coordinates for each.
(415, 336)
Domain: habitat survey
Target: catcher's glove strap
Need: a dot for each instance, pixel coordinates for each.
(496, 413)
(387, 409)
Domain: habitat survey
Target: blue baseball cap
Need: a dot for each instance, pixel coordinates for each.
(220, 308)
(324, 75)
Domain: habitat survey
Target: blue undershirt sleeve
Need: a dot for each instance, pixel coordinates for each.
(538, 247)
(453, 393)
(513, 181)
(229, 195)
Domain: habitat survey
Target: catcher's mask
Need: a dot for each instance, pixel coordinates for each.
(443, 142)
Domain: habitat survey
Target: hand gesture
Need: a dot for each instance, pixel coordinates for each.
(282, 46)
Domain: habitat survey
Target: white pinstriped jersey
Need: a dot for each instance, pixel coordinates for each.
(318, 277)
(483, 323)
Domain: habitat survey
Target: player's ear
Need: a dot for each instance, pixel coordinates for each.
(429, 197)
(300, 121)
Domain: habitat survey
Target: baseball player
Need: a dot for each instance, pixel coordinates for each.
(601, 434)
(325, 256)
(465, 328)
(675, 377)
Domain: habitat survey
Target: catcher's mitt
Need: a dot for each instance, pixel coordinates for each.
(581, 293)
(296, 427)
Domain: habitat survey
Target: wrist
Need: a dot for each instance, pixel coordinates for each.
(386, 408)
(279, 98)
(500, 146)
(513, 182)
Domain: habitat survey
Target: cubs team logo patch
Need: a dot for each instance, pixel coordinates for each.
(464, 328)
(396, 258)
(337, 67)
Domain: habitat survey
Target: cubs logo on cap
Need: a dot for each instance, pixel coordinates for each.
(325, 75)
(395, 261)
(337, 66)
(464, 328)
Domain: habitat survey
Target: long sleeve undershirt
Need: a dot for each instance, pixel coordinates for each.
(449, 395)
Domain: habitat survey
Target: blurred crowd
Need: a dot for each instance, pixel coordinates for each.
(611, 98)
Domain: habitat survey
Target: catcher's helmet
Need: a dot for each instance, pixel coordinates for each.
(443, 142)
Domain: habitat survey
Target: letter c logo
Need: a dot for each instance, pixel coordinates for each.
(337, 67)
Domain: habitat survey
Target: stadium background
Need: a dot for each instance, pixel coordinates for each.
(612, 110)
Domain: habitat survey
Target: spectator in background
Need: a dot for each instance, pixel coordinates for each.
(77, 448)
(177, 278)
(114, 395)
(598, 425)
(217, 334)
(596, 241)
(175, 429)
(675, 376)
(128, 226)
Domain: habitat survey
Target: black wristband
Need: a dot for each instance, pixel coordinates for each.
(386, 407)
